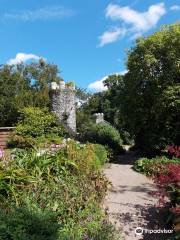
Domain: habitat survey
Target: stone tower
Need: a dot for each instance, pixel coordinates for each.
(63, 103)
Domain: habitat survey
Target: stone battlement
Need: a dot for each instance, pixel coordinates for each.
(99, 117)
(62, 86)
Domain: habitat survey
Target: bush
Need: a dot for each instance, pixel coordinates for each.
(168, 180)
(166, 175)
(153, 166)
(64, 188)
(168, 187)
(104, 134)
(101, 153)
(25, 224)
(36, 126)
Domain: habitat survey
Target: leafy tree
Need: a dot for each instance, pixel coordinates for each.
(152, 87)
(24, 85)
(41, 75)
(110, 103)
(15, 92)
(83, 117)
(145, 102)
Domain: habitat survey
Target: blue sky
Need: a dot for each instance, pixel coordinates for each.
(88, 39)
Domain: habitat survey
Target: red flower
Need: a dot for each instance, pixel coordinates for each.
(174, 150)
(168, 183)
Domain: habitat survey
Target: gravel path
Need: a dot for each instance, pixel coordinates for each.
(130, 203)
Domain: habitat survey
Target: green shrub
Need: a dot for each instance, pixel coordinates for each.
(166, 175)
(25, 224)
(153, 166)
(101, 153)
(36, 126)
(65, 187)
(104, 134)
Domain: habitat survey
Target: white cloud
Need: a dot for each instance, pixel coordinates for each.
(135, 22)
(175, 8)
(47, 13)
(22, 57)
(123, 72)
(98, 86)
(140, 21)
(111, 36)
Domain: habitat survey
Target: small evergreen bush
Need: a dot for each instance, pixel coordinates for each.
(24, 224)
(104, 134)
(36, 126)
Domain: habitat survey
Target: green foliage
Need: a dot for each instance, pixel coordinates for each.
(153, 166)
(24, 85)
(108, 102)
(144, 103)
(81, 94)
(36, 126)
(56, 195)
(84, 121)
(151, 93)
(22, 223)
(166, 175)
(101, 153)
(104, 134)
(70, 84)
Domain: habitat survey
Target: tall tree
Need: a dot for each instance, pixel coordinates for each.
(24, 85)
(108, 102)
(152, 87)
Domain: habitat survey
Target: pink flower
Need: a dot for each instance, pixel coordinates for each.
(1, 153)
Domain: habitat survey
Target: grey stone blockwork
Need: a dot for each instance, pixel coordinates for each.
(63, 103)
(99, 117)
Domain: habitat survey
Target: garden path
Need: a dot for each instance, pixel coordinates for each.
(130, 203)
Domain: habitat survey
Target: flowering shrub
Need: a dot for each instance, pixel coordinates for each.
(174, 151)
(169, 182)
(166, 174)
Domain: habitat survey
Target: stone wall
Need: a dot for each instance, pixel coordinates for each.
(63, 103)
